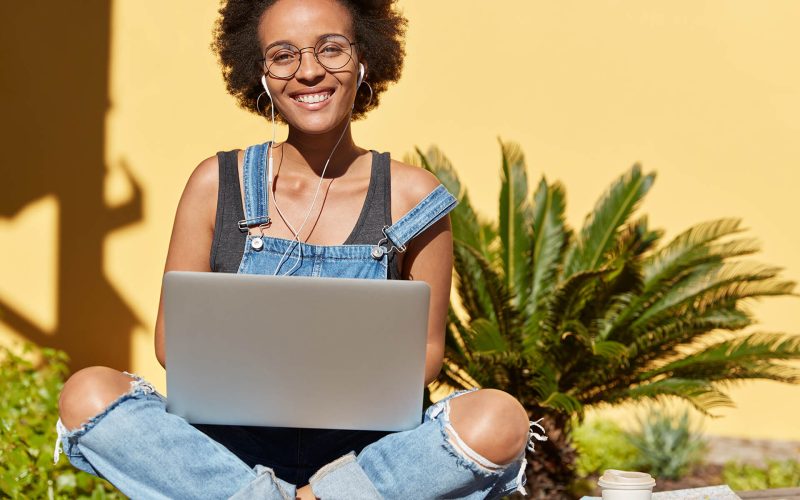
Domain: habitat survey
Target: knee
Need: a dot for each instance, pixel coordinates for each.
(491, 422)
(88, 392)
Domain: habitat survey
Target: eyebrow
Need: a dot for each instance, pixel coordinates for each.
(287, 42)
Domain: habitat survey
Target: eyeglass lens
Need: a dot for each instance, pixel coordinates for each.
(332, 52)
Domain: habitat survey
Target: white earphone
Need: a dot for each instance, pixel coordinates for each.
(360, 75)
(264, 84)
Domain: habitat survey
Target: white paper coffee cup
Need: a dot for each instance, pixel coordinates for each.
(626, 485)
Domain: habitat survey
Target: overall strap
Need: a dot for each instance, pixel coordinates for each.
(432, 208)
(256, 186)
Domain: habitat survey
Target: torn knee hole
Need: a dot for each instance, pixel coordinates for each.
(137, 384)
(468, 453)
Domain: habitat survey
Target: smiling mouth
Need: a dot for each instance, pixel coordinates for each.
(313, 98)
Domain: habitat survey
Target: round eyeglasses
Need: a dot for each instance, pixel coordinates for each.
(282, 60)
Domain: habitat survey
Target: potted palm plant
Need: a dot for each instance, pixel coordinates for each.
(567, 320)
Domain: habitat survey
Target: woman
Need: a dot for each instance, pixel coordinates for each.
(317, 64)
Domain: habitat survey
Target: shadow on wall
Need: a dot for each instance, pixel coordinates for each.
(54, 83)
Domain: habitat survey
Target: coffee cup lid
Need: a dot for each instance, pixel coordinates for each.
(626, 480)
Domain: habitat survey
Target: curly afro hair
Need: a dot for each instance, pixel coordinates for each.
(379, 30)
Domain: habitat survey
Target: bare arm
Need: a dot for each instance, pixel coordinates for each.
(429, 258)
(192, 233)
(431, 261)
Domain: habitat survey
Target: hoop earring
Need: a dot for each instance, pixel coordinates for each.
(370, 92)
(257, 103)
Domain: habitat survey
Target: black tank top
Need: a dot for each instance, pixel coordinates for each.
(227, 246)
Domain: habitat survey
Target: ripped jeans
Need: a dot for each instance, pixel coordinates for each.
(149, 453)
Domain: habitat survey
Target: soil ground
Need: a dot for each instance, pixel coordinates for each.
(752, 451)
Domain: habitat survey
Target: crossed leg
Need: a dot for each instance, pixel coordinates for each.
(490, 423)
(116, 426)
(486, 422)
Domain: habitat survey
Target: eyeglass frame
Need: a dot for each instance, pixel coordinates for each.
(263, 60)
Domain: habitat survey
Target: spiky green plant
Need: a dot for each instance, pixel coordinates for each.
(566, 320)
(669, 443)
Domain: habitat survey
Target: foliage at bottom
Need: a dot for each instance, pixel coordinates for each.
(602, 444)
(664, 443)
(28, 414)
(777, 474)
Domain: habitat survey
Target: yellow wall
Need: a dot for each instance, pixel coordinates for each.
(112, 109)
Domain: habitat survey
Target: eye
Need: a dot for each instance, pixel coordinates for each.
(331, 49)
(281, 56)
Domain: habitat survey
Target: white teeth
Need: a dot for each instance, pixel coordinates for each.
(312, 98)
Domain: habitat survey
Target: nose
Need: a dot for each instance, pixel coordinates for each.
(310, 69)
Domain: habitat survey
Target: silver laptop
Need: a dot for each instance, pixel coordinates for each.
(329, 353)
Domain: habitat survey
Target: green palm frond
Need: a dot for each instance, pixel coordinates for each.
(660, 340)
(563, 403)
(504, 314)
(626, 281)
(505, 359)
(543, 381)
(633, 239)
(616, 308)
(515, 221)
(701, 394)
(454, 344)
(472, 230)
(549, 240)
(467, 225)
(711, 283)
(609, 349)
(600, 229)
(747, 357)
(695, 253)
(641, 239)
(470, 284)
(485, 337)
(691, 248)
(565, 303)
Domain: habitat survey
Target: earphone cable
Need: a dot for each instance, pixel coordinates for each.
(271, 186)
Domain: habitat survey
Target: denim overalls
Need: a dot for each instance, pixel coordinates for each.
(267, 255)
(149, 453)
